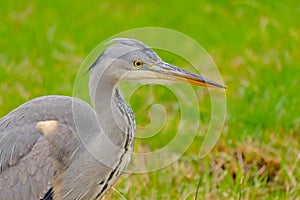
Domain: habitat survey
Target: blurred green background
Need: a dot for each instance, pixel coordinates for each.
(255, 44)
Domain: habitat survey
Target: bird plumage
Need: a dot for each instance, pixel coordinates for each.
(31, 162)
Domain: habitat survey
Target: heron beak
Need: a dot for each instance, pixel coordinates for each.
(177, 74)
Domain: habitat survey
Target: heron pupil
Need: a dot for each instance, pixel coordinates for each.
(138, 63)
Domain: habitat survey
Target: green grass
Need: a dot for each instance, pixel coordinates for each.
(256, 47)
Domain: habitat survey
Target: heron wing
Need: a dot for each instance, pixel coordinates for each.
(31, 163)
(30, 157)
(27, 168)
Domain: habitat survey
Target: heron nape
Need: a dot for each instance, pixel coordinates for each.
(41, 154)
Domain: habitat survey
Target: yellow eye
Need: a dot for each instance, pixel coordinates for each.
(138, 63)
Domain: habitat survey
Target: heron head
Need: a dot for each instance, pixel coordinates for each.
(130, 59)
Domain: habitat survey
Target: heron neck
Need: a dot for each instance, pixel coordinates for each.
(106, 102)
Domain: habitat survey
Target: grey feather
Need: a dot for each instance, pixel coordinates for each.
(28, 159)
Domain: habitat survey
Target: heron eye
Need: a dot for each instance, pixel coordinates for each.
(138, 63)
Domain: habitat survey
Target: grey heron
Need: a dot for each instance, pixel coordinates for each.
(41, 153)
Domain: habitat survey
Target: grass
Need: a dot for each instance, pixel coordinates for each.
(254, 43)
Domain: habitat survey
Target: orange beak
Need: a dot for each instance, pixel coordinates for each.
(177, 74)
